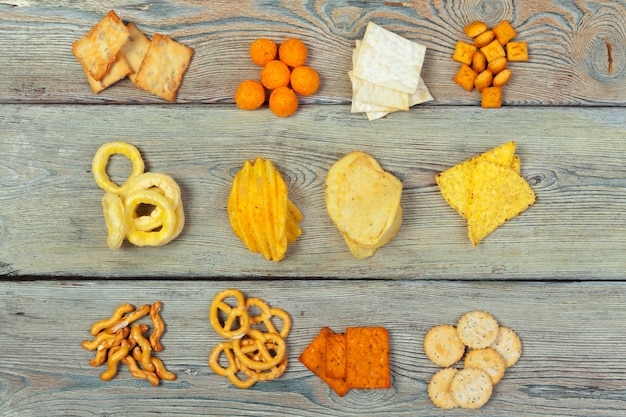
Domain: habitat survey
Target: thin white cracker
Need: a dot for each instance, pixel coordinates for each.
(390, 60)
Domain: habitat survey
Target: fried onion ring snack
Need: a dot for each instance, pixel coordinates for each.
(253, 352)
(120, 203)
(364, 203)
(260, 212)
(116, 341)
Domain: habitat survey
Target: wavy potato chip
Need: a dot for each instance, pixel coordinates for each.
(260, 212)
(364, 202)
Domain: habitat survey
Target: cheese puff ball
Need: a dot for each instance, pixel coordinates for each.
(275, 74)
(250, 95)
(305, 80)
(292, 52)
(283, 102)
(263, 51)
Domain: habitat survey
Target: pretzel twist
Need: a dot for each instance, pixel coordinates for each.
(237, 322)
(232, 370)
(266, 316)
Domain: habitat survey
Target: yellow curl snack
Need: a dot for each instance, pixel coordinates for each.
(116, 341)
(121, 204)
(260, 212)
(256, 350)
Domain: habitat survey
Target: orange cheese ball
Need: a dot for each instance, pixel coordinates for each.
(305, 80)
(275, 74)
(283, 102)
(292, 52)
(250, 95)
(263, 51)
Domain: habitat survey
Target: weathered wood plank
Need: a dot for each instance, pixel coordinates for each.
(572, 364)
(51, 221)
(577, 50)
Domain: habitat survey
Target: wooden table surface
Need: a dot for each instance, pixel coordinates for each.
(556, 274)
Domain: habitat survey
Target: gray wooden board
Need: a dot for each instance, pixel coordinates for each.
(572, 363)
(52, 224)
(576, 49)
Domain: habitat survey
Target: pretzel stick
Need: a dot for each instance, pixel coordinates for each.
(144, 345)
(138, 372)
(159, 326)
(130, 318)
(115, 356)
(117, 315)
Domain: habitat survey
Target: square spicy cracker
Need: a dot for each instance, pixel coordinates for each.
(163, 67)
(336, 355)
(368, 357)
(98, 49)
(314, 358)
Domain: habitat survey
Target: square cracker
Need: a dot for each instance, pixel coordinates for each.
(336, 355)
(98, 49)
(163, 67)
(386, 58)
(314, 358)
(134, 50)
(368, 357)
(118, 70)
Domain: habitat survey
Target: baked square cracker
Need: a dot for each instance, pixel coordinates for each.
(163, 67)
(336, 355)
(314, 358)
(134, 50)
(368, 357)
(98, 49)
(118, 70)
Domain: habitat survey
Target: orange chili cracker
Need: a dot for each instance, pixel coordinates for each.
(336, 365)
(314, 358)
(368, 357)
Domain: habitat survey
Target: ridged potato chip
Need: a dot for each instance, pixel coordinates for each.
(260, 212)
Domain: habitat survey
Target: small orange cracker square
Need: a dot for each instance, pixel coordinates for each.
(163, 67)
(493, 50)
(368, 357)
(517, 51)
(98, 49)
(336, 355)
(504, 32)
(463, 52)
(491, 98)
(314, 358)
(465, 77)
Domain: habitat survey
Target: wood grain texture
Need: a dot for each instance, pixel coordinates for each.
(577, 49)
(52, 223)
(572, 364)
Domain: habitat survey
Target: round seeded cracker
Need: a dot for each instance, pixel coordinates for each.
(489, 360)
(443, 346)
(439, 389)
(477, 329)
(471, 388)
(509, 345)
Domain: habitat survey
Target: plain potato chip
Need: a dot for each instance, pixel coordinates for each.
(498, 194)
(163, 67)
(379, 55)
(439, 389)
(134, 50)
(363, 201)
(471, 388)
(98, 49)
(489, 360)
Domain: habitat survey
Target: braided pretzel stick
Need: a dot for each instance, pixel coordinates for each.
(140, 373)
(237, 313)
(260, 375)
(267, 360)
(102, 349)
(116, 355)
(266, 316)
(117, 315)
(159, 326)
(143, 345)
(130, 318)
(232, 370)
